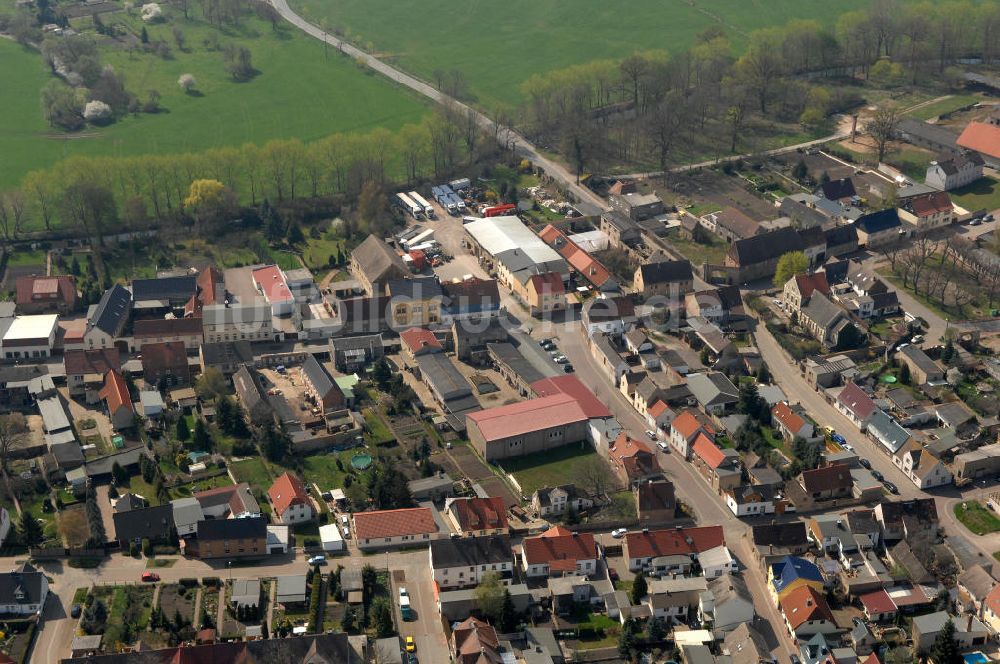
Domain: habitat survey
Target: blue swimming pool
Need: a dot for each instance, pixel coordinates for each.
(975, 658)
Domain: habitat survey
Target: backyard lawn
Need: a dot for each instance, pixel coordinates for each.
(977, 518)
(559, 466)
(983, 194)
(714, 252)
(252, 471)
(186, 490)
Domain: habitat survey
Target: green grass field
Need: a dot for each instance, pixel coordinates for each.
(299, 93)
(983, 194)
(948, 105)
(499, 45)
(977, 518)
(559, 466)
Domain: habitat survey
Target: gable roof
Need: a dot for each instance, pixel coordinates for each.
(549, 283)
(687, 424)
(170, 355)
(822, 311)
(473, 294)
(804, 604)
(708, 451)
(929, 204)
(827, 478)
(656, 543)
(115, 392)
(165, 288)
(712, 388)
(853, 398)
(665, 271)
(470, 551)
(570, 385)
(766, 246)
(843, 234)
(237, 497)
(559, 548)
(655, 495)
(479, 513)
(956, 161)
(736, 221)
(318, 376)
(23, 580)
(586, 265)
(376, 258)
(981, 137)
(808, 283)
(152, 523)
(393, 523)
(476, 642)
(287, 491)
(609, 308)
(251, 527)
(163, 327)
(96, 361)
(836, 190)
(418, 339)
(878, 222)
(526, 416)
(792, 568)
(111, 311)
(787, 417)
(780, 534)
(45, 289)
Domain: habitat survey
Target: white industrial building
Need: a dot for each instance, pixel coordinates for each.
(28, 337)
(501, 237)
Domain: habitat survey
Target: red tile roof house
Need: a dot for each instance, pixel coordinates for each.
(929, 211)
(478, 516)
(585, 265)
(878, 606)
(632, 460)
(643, 548)
(983, 138)
(807, 613)
(719, 467)
(166, 361)
(46, 295)
(828, 482)
(116, 397)
(85, 371)
(188, 331)
(684, 431)
(419, 341)
(475, 642)
(790, 423)
(800, 288)
(854, 403)
(386, 529)
(559, 552)
(290, 500)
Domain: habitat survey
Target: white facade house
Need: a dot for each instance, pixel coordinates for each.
(238, 322)
(187, 514)
(29, 337)
(464, 562)
(23, 591)
(955, 171)
(717, 561)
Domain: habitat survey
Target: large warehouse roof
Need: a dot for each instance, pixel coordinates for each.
(498, 234)
(24, 328)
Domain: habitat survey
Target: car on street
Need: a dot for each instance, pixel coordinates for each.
(892, 488)
(865, 463)
(150, 577)
(877, 475)
(651, 434)
(663, 447)
(411, 645)
(317, 560)
(562, 359)
(568, 368)
(619, 533)
(411, 658)
(75, 611)
(837, 438)
(847, 446)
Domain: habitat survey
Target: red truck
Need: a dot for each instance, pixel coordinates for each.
(497, 210)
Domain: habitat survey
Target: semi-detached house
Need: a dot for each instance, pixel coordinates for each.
(384, 529)
(559, 552)
(651, 550)
(460, 562)
(856, 404)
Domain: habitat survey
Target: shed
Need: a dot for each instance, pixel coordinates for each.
(331, 537)
(291, 589)
(151, 402)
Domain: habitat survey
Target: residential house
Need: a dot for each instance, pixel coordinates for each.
(155, 524)
(610, 361)
(745, 645)
(226, 356)
(827, 483)
(720, 467)
(374, 264)
(418, 341)
(632, 460)
(826, 372)
(799, 289)
(655, 501)
(289, 500)
(731, 224)
(291, 589)
(585, 265)
(674, 599)
(166, 363)
(841, 191)
(559, 552)
(991, 609)
(878, 606)
(461, 562)
(415, 302)
(473, 299)
(210, 288)
(969, 630)
(685, 429)
(321, 389)
(807, 613)
(791, 573)
(187, 514)
(250, 321)
(117, 401)
(229, 538)
(824, 319)
(671, 550)
(250, 393)
(475, 642)
(757, 257)
(832, 534)
(233, 501)
(545, 294)
(791, 423)
(775, 541)
(45, 295)
(856, 404)
(622, 232)
(637, 207)
(188, 331)
(902, 518)
(721, 306)
(955, 170)
(923, 468)
(23, 591)
(663, 279)
(714, 391)
(753, 499)
(877, 229)
(726, 604)
(353, 354)
(106, 320)
(555, 501)
(384, 529)
(477, 516)
(886, 431)
(659, 416)
(974, 585)
(928, 212)
(841, 240)
(609, 315)
(983, 138)
(922, 368)
(85, 370)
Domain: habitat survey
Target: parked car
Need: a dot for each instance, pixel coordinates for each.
(651, 434)
(75, 611)
(865, 463)
(317, 560)
(150, 577)
(663, 447)
(411, 645)
(562, 359)
(411, 658)
(847, 446)
(877, 475)
(568, 368)
(619, 533)
(837, 438)
(891, 487)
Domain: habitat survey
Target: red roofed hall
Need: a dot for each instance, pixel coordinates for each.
(480, 516)
(559, 552)
(420, 341)
(85, 370)
(526, 427)
(46, 295)
(475, 642)
(290, 500)
(391, 528)
(878, 605)
(117, 400)
(574, 387)
(982, 138)
(640, 548)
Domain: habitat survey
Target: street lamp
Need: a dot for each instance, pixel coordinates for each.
(230, 566)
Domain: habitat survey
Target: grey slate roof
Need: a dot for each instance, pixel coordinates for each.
(712, 388)
(227, 352)
(317, 374)
(154, 523)
(822, 311)
(375, 258)
(416, 288)
(168, 288)
(518, 363)
(767, 246)
(877, 222)
(112, 310)
(24, 580)
(245, 528)
(665, 272)
(470, 551)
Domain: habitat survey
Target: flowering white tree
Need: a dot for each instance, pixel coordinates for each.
(96, 112)
(151, 12)
(187, 82)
